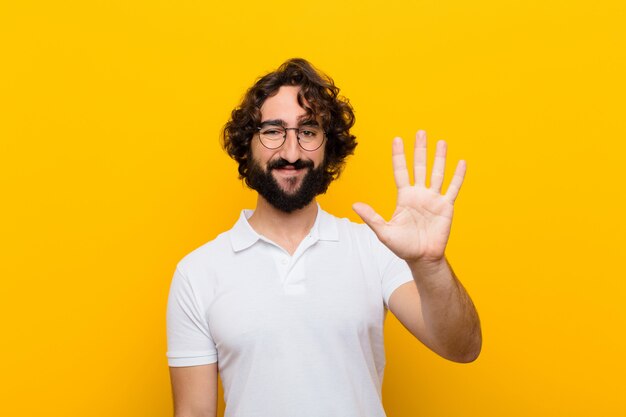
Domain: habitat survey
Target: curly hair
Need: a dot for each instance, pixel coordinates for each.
(321, 95)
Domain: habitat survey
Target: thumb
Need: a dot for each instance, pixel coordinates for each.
(370, 217)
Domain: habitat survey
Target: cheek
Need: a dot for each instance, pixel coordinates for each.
(319, 159)
(260, 154)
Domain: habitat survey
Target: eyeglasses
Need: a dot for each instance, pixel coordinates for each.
(310, 138)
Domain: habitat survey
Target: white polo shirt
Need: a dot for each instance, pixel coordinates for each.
(297, 335)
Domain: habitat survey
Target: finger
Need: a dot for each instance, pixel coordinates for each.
(400, 173)
(370, 217)
(457, 181)
(419, 159)
(436, 179)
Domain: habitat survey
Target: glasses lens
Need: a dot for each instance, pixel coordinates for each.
(272, 136)
(310, 138)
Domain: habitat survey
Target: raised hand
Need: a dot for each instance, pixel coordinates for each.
(420, 226)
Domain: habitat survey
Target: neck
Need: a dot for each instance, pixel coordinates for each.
(286, 229)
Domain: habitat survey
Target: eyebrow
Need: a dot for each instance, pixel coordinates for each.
(309, 122)
(281, 122)
(273, 122)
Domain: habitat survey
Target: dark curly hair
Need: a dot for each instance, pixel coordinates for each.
(321, 95)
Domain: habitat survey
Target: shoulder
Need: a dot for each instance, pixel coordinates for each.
(201, 263)
(206, 253)
(344, 224)
(195, 278)
(362, 238)
(348, 231)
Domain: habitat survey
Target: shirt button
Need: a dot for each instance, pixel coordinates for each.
(284, 261)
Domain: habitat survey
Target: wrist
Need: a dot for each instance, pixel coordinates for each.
(429, 266)
(430, 274)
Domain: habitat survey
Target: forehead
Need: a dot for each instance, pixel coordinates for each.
(283, 105)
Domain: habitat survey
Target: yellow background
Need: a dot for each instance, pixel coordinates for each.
(111, 171)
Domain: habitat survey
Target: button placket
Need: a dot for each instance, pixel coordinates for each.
(283, 265)
(295, 279)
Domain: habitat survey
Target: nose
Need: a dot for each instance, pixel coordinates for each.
(290, 150)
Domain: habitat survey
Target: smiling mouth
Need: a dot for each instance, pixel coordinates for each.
(290, 176)
(283, 164)
(288, 169)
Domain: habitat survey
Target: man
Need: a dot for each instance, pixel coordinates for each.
(289, 304)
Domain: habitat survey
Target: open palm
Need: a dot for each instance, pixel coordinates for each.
(420, 226)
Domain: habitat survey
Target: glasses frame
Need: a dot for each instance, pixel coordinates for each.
(297, 129)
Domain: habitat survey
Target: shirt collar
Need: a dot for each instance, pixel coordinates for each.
(242, 235)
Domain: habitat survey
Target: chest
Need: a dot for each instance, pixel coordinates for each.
(278, 300)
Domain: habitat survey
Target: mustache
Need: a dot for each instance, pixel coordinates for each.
(281, 163)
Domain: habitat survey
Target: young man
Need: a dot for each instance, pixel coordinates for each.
(289, 304)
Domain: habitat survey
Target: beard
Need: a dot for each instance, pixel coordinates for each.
(265, 184)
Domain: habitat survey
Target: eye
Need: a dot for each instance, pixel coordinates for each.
(272, 132)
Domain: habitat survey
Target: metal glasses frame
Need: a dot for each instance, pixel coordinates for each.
(297, 129)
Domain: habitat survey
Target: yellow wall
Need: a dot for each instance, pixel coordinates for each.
(111, 171)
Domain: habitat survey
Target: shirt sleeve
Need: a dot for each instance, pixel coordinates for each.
(393, 270)
(189, 340)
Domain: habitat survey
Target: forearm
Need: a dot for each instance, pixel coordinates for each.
(194, 390)
(450, 318)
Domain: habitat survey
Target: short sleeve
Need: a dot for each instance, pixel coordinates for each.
(394, 271)
(189, 340)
